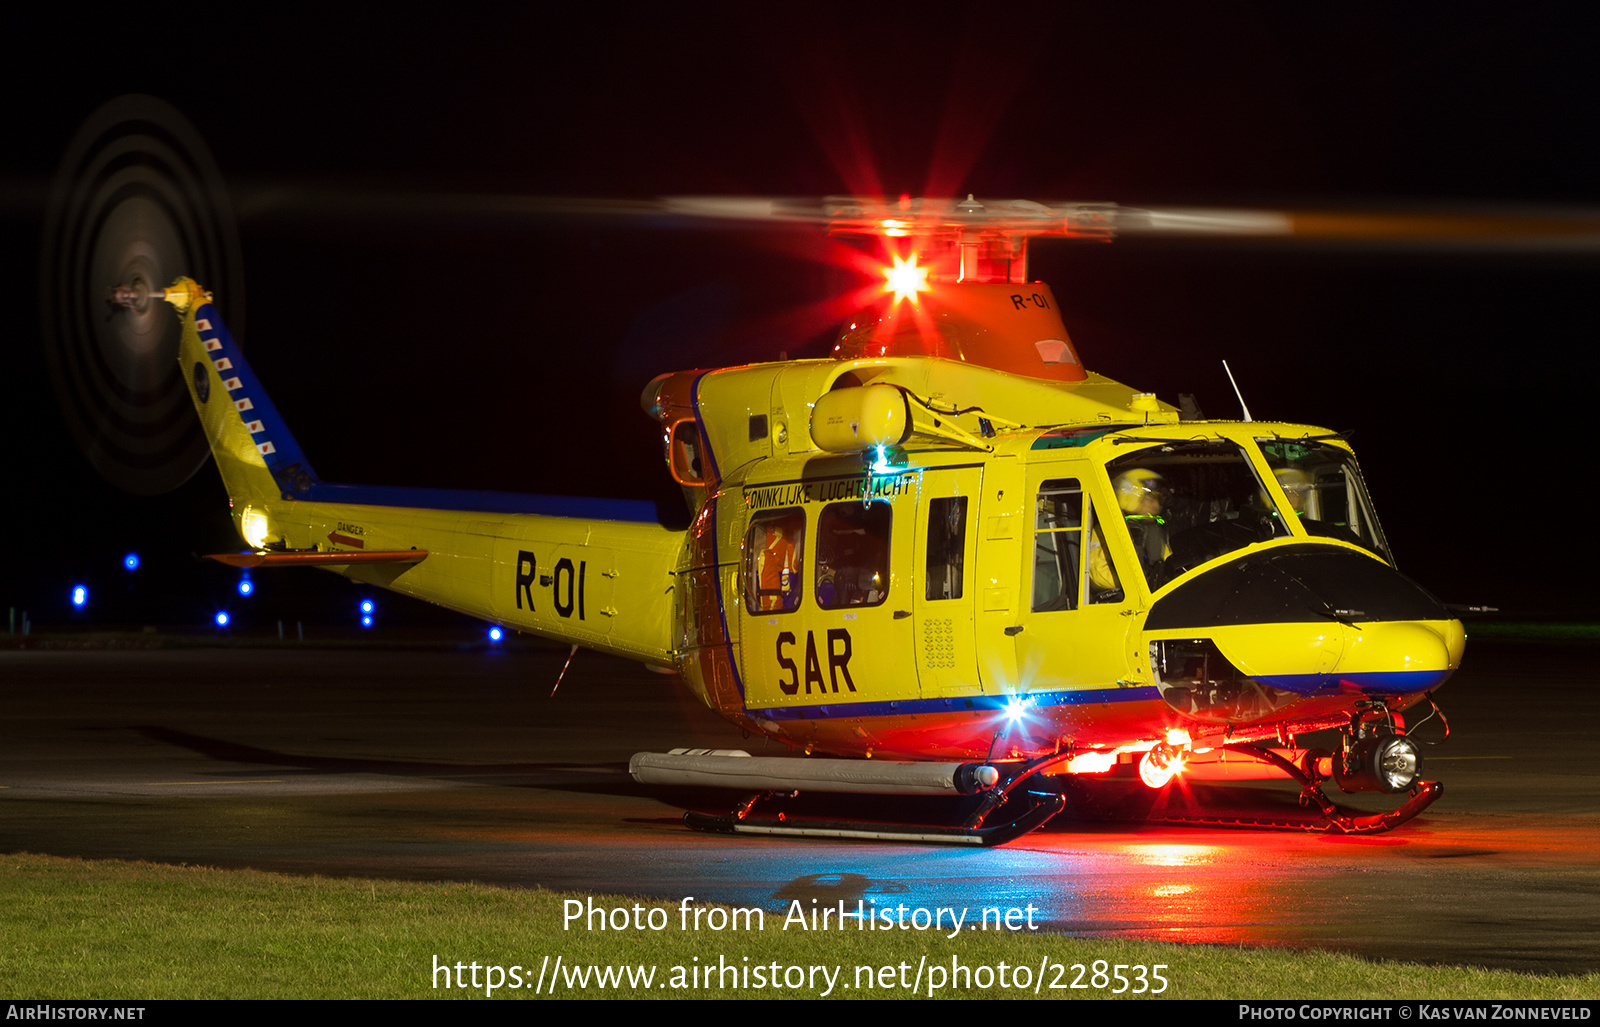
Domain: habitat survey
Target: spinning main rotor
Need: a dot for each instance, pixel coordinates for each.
(138, 202)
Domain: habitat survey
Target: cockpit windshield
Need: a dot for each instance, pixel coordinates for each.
(1185, 503)
(1325, 491)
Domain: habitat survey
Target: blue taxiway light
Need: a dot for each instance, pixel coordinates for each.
(131, 561)
(222, 618)
(495, 634)
(80, 595)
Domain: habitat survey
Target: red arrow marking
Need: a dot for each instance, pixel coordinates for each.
(345, 540)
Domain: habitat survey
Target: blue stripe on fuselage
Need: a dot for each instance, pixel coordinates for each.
(1378, 682)
(637, 511)
(992, 703)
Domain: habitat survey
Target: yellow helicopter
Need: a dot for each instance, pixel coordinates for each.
(947, 559)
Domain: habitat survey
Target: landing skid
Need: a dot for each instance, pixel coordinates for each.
(1328, 818)
(1423, 794)
(1041, 807)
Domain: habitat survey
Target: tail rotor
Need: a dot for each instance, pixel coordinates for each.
(136, 203)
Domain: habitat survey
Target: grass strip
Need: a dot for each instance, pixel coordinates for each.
(76, 929)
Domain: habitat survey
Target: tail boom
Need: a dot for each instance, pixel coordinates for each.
(605, 585)
(596, 573)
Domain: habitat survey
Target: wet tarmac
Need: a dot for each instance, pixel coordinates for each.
(434, 764)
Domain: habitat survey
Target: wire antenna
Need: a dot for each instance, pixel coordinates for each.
(1236, 391)
(563, 673)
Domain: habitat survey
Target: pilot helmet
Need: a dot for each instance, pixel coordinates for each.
(1135, 486)
(1296, 484)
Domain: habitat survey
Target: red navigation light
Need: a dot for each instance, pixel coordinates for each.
(905, 279)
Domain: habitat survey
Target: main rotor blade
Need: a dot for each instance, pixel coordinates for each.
(259, 203)
(1470, 227)
(1533, 229)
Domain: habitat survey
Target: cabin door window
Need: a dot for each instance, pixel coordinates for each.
(947, 544)
(853, 554)
(944, 643)
(774, 550)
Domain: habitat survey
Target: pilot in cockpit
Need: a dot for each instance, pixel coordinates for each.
(1296, 486)
(1142, 494)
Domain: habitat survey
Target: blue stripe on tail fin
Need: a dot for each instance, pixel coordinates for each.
(289, 466)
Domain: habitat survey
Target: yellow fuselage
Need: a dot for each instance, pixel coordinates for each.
(979, 588)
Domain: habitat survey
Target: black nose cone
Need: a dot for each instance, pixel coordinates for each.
(1308, 582)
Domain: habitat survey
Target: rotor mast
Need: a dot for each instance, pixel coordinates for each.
(969, 241)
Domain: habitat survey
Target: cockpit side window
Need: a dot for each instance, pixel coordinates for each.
(1057, 545)
(1325, 492)
(773, 550)
(1104, 585)
(853, 554)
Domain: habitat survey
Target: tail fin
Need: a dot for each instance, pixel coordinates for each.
(258, 457)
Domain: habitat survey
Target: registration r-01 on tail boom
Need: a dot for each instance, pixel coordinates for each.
(947, 559)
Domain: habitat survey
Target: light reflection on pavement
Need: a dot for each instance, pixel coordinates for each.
(440, 765)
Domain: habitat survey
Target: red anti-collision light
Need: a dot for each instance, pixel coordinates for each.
(905, 279)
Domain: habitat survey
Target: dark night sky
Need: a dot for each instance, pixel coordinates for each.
(510, 356)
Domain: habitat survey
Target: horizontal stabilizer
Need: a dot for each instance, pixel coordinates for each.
(314, 558)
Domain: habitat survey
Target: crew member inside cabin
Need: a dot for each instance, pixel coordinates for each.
(1296, 486)
(780, 575)
(1141, 493)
